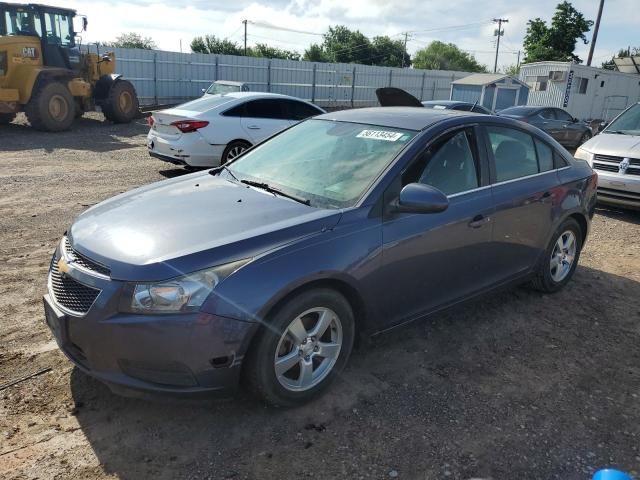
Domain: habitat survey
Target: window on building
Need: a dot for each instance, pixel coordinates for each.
(581, 85)
(537, 83)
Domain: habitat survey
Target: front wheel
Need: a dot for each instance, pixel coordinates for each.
(560, 259)
(301, 348)
(121, 105)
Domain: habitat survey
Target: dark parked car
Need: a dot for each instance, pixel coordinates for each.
(456, 105)
(568, 131)
(347, 224)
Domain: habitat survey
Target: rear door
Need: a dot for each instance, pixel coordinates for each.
(524, 183)
(264, 117)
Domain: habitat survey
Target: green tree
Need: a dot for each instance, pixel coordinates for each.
(132, 40)
(513, 70)
(446, 56)
(389, 53)
(347, 46)
(264, 50)
(315, 53)
(213, 44)
(557, 41)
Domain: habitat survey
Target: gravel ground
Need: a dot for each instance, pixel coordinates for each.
(516, 385)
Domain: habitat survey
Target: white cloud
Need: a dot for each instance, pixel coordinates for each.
(168, 22)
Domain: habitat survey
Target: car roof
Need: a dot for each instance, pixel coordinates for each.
(247, 95)
(229, 82)
(408, 118)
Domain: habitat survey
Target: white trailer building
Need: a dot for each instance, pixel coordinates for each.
(587, 93)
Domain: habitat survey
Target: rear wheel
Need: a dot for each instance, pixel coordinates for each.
(301, 348)
(234, 149)
(560, 259)
(121, 105)
(51, 108)
(6, 118)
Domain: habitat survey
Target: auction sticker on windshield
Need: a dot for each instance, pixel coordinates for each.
(380, 135)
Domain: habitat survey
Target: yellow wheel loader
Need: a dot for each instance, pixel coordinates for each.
(44, 74)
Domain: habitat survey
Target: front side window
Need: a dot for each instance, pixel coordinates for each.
(627, 123)
(547, 114)
(514, 153)
(448, 165)
(59, 29)
(563, 116)
(330, 163)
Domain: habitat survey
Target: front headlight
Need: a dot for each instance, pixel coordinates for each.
(582, 154)
(180, 294)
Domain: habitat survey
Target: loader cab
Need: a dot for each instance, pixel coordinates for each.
(52, 26)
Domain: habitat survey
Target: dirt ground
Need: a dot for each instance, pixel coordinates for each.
(517, 385)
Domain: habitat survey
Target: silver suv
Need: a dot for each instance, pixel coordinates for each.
(615, 155)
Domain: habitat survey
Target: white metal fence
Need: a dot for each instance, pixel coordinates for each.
(169, 77)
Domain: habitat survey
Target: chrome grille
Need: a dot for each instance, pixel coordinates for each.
(69, 293)
(613, 159)
(83, 261)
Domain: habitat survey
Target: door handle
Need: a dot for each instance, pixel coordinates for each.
(478, 221)
(253, 127)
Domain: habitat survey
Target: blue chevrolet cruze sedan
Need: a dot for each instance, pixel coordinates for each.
(264, 270)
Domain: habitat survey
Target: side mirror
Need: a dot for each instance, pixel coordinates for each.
(420, 198)
(203, 90)
(85, 22)
(106, 58)
(575, 120)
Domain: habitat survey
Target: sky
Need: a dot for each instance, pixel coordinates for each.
(467, 23)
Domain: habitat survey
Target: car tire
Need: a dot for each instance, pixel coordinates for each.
(285, 365)
(553, 272)
(51, 108)
(234, 149)
(121, 105)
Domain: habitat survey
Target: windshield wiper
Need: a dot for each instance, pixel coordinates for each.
(617, 132)
(276, 191)
(216, 170)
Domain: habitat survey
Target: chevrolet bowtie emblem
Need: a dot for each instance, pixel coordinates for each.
(624, 165)
(63, 266)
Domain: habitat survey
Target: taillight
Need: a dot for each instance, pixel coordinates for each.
(150, 121)
(186, 126)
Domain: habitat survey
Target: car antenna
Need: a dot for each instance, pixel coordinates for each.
(474, 105)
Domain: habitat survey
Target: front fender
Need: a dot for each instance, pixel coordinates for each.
(103, 86)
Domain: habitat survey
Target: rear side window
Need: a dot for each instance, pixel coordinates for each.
(545, 156)
(463, 108)
(265, 108)
(300, 110)
(564, 116)
(514, 153)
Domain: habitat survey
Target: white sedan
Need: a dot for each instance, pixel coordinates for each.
(214, 129)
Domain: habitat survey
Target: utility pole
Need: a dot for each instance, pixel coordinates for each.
(518, 62)
(595, 33)
(245, 37)
(498, 33)
(404, 52)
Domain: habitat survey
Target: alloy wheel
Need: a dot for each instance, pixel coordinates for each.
(563, 256)
(235, 151)
(308, 349)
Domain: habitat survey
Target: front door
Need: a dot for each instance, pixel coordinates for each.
(430, 260)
